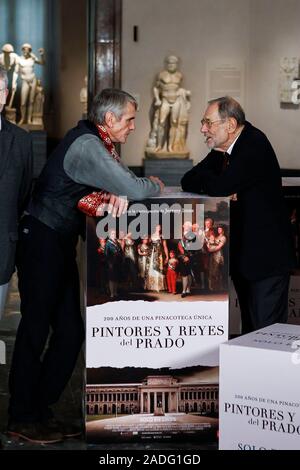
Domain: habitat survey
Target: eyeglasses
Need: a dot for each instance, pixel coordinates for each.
(208, 123)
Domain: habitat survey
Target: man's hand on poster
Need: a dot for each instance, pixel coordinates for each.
(156, 179)
(114, 205)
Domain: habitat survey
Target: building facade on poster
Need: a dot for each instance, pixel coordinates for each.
(154, 393)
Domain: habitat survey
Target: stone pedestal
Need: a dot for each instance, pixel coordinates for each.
(169, 170)
(164, 154)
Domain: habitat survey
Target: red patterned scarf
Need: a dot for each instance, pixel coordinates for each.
(108, 144)
(90, 203)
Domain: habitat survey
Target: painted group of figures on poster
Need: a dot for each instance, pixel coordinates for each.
(155, 264)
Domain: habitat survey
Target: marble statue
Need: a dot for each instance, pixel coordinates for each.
(289, 69)
(9, 59)
(83, 96)
(170, 114)
(25, 68)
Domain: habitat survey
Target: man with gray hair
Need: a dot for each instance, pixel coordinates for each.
(15, 182)
(85, 161)
(242, 163)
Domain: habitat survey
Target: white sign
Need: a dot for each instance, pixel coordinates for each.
(156, 334)
(260, 390)
(225, 78)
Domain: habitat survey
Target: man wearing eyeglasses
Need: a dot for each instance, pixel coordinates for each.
(15, 180)
(242, 162)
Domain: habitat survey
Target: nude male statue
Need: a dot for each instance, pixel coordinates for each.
(25, 68)
(172, 105)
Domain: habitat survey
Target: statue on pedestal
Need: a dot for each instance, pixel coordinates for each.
(170, 114)
(25, 67)
(9, 59)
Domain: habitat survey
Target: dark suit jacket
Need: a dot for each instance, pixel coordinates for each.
(260, 238)
(15, 182)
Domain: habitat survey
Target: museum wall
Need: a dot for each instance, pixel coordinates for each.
(275, 34)
(250, 35)
(72, 64)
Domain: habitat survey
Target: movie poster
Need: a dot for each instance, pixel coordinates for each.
(157, 310)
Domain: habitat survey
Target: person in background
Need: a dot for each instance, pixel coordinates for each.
(15, 183)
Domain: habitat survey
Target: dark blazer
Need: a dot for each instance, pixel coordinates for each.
(15, 183)
(260, 238)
